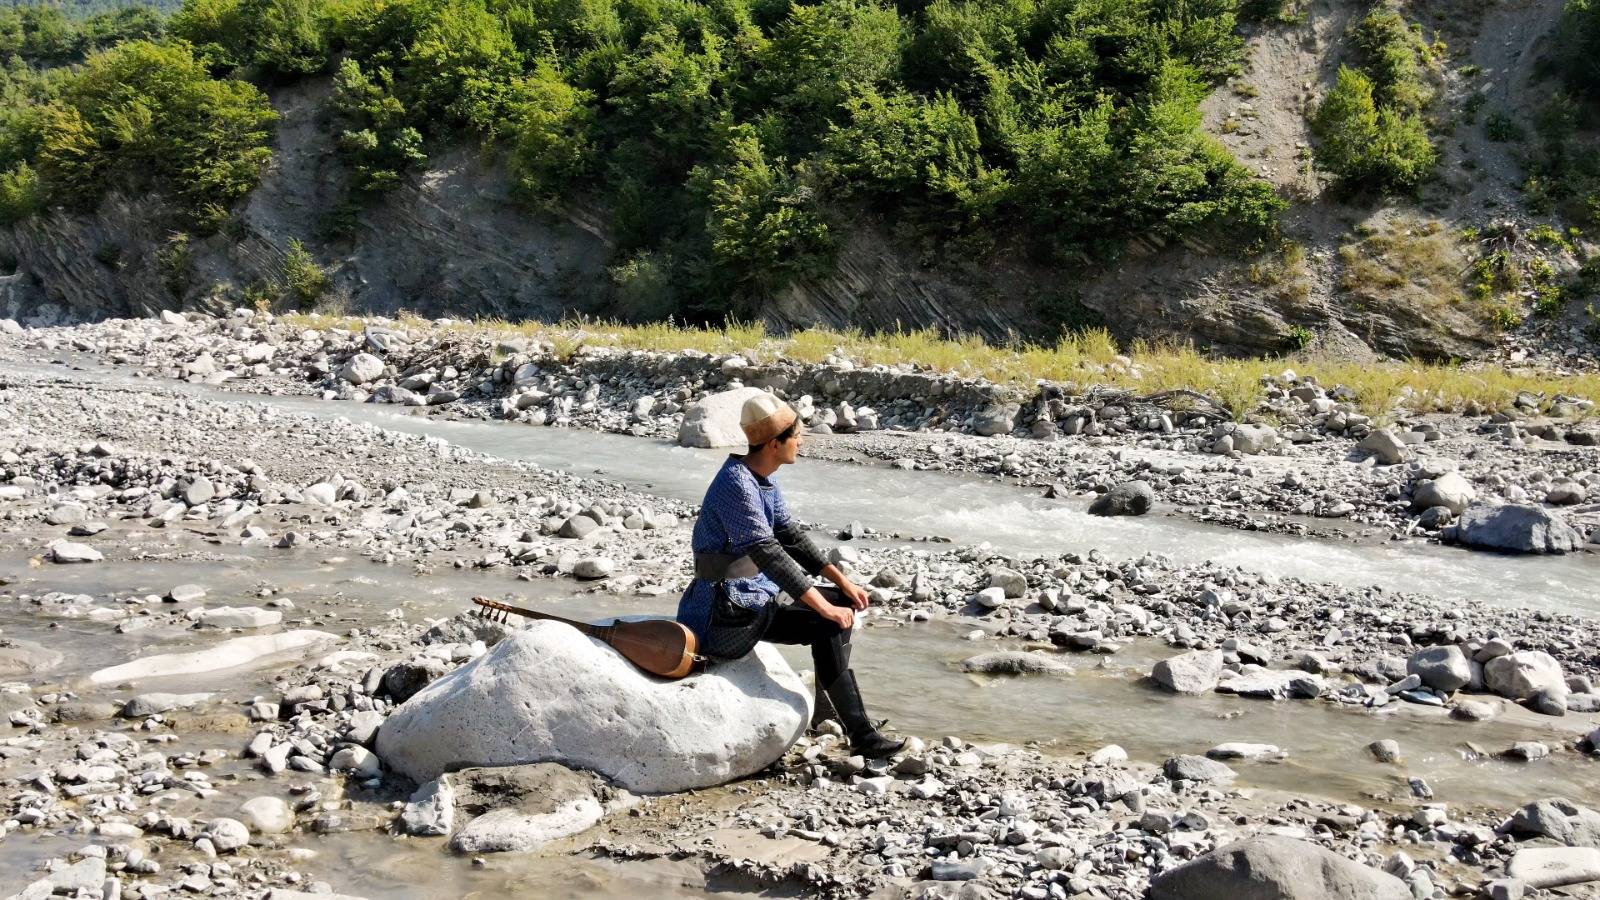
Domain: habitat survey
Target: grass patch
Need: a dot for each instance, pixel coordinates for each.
(1407, 260)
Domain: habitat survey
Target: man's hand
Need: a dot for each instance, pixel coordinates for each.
(839, 616)
(855, 594)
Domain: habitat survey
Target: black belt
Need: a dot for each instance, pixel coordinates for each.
(723, 566)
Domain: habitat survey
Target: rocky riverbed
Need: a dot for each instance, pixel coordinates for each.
(219, 737)
(1307, 462)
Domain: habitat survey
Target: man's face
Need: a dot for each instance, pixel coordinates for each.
(789, 449)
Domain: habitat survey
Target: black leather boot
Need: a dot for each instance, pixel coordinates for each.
(865, 738)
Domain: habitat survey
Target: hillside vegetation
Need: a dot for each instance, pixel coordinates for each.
(726, 139)
(732, 147)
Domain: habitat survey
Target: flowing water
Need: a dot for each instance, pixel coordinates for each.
(902, 665)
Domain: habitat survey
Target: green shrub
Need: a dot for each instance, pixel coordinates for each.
(1499, 126)
(21, 194)
(303, 280)
(1363, 144)
(1577, 47)
(762, 223)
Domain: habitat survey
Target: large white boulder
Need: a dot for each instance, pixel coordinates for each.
(1520, 675)
(714, 420)
(361, 368)
(550, 694)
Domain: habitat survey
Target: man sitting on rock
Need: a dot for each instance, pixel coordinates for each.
(747, 550)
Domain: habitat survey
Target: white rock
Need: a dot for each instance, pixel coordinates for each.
(227, 834)
(548, 693)
(1520, 675)
(1449, 490)
(714, 421)
(1548, 867)
(230, 654)
(157, 703)
(70, 552)
(358, 761)
(594, 567)
(361, 368)
(267, 815)
(240, 617)
(431, 811)
(10, 326)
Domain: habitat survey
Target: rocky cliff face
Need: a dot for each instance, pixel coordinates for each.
(448, 242)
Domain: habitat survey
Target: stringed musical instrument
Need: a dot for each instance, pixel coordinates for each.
(659, 646)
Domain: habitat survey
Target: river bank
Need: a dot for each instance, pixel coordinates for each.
(305, 498)
(1309, 460)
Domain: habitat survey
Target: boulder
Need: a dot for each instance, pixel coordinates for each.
(70, 552)
(1516, 527)
(1385, 445)
(404, 679)
(1520, 675)
(995, 419)
(1558, 819)
(520, 808)
(550, 694)
(1015, 662)
(1195, 672)
(157, 703)
(1441, 668)
(267, 815)
(1271, 684)
(1253, 439)
(1450, 490)
(361, 368)
(1196, 768)
(1548, 867)
(713, 421)
(1131, 498)
(1268, 867)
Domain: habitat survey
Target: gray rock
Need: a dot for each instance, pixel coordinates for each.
(1197, 768)
(1011, 582)
(1015, 662)
(578, 526)
(156, 703)
(404, 679)
(1450, 490)
(1271, 684)
(1386, 446)
(520, 808)
(1195, 672)
(1384, 751)
(1131, 498)
(431, 811)
(1441, 668)
(594, 567)
(69, 552)
(1515, 527)
(1559, 819)
(996, 418)
(1275, 868)
(227, 834)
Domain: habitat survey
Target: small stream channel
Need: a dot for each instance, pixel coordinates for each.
(910, 672)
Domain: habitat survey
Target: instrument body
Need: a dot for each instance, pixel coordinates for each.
(661, 647)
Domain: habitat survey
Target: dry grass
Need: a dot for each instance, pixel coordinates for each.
(1406, 260)
(1082, 360)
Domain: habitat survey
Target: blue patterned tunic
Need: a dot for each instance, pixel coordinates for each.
(740, 509)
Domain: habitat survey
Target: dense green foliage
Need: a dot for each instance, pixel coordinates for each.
(1564, 169)
(143, 116)
(1369, 128)
(1577, 48)
(732, 142)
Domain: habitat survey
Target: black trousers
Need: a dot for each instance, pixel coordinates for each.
(796, 623)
